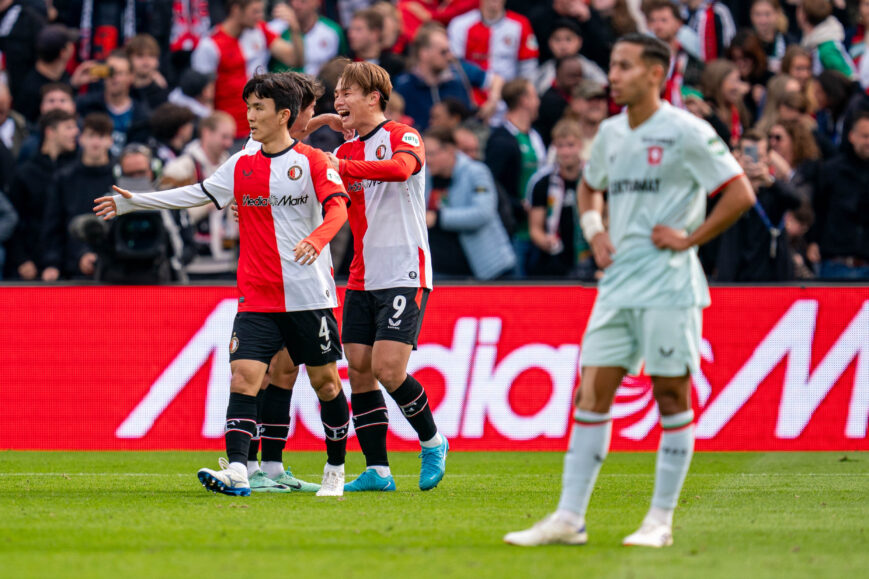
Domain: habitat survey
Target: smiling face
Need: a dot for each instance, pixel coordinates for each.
(354, 107)
(764, 20)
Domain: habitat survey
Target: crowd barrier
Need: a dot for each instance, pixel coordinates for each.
(114, 368)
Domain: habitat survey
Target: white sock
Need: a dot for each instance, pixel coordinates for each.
(434, 441)
(240, 468)
(333, 468)
(674, 458)
(273, 468)
(381, 470)
(589, 443)
(252, 467)
(659, 516)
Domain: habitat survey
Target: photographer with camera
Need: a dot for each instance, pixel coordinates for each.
(756, 248)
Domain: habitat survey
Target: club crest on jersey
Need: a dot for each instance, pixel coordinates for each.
(233, 345)
(381, 151)
(332, 175)
(410, 139)
(656, 153)
(295, 173)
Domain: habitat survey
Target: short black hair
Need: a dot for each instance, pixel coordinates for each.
(168, 119)
(441, 134)
(311, 89)
(456, 108)
(51, 119)
(278, 87)
(655, 51)
(99, 123)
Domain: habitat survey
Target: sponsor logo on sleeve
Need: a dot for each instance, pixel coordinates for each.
(410, 139)
(332, 175)
(716, 146)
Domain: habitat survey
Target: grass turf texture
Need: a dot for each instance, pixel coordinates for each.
(749, 514)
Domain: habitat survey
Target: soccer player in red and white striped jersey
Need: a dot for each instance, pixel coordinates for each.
(390, 276)
(291, 203)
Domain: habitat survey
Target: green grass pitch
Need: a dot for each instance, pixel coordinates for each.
(144, 515)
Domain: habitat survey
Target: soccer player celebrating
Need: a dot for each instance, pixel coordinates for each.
(287, 293)
(657, 162)
(390, 276)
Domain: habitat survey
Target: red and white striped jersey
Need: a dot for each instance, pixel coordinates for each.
(506, 47)
(234, 60)
(390, 237)
(280, 199)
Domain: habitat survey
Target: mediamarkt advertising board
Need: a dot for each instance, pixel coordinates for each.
(148, 368)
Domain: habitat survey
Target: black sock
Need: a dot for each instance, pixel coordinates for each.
(254, 442)
(413, 402)
(371, 422)
(240, 426)
(276, 422)
(335, 416)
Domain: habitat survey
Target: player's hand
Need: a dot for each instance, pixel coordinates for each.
(431, 217)
(668, 238)
(27, 270)
(333, 160)
(105, 207)
(234, 209)
(813, 252)
(332, 121)
(603, 250)
(306, 254)
(50, 274)
(87, 262)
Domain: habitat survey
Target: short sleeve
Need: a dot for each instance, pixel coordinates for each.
(268, 33)
(476, 75)
(326, 180)
(540, 192)
(595, 172)
(220, 187)
(707, 158)
(407, 140)
(205, 57)
(528, 47)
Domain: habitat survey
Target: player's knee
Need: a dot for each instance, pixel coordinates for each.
(285, 378)
(671, 401)
(328, 390)
(389, 375)
(242, 383)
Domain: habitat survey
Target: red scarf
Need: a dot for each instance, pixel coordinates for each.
(735, 125)
(190, 22)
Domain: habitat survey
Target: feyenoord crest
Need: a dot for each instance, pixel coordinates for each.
(380, 152)
(233, 345)
(294, 173)
(656, 153)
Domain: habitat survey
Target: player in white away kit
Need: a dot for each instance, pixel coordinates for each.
(390, 276)
(658, 164)
(287, 293)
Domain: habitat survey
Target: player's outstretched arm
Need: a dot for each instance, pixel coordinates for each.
(737, 197)
(591, 221)
(330, 120)
(125, 202)
(397, 169)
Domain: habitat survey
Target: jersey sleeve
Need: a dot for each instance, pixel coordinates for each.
(707, 157)
(540, 192)
(220, 187)
(528, 48)
(404, 139)
(595, 171)
(268, 33)
(205, 57)
(326, 181)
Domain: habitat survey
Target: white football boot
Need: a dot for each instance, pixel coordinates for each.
(228, 480)
(650, 534)
(333, 484)
(552, 530)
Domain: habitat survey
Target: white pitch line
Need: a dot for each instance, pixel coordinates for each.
(457, 475)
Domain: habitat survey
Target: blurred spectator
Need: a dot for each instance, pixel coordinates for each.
(858, 42)
(395, 110)
(514, 152)
(130, 117)
(392, 26)
(448, 114)
(842, 208)
(553, 103)
(19, 27)
(468, 143)
(55, 46)
(794, 157)
(770, 25)
(496, 40)
(55, 96)
(365, 37)
(171, 128)
(236, 48)
(553, 221)
(8, 221)
(665, 23)
(824, 36)
(832, 93)
(416, 13)
(746, 51)
(725, 91)
(195, 92)
(105, 25)
(437, 77)
(713, 23)
(566, 40)
(216, 230)
(13, 127)
(73, 194)
(30, 189)
(776, 89)
(797, 63)
(756, 248)
(616, 20)
(7, 167)
(797, 225)
(588, 108)
(149, 86)
(323, 38)
(464, 230)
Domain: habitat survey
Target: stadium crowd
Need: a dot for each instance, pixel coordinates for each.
(508, 95)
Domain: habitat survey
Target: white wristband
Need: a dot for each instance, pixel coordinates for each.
(591, 223)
